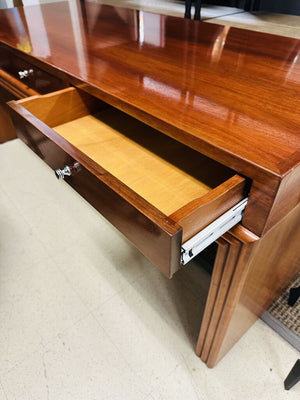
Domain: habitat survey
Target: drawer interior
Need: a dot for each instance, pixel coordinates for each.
(163, 171)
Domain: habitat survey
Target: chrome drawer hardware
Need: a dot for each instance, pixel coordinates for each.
(67, 171)
(26, 73)
(213, 231)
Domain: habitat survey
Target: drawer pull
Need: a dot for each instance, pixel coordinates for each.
(26, 73)
(67, 171)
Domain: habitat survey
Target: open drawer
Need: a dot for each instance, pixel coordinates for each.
(159, 193)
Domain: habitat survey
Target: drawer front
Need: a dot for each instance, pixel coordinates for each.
(7, 130)
(132, 174)
(158, 238)
(29, 74)
(10, 88)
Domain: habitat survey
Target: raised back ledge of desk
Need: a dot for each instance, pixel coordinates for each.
(221, 101)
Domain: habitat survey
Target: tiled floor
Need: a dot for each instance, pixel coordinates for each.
(83, 315)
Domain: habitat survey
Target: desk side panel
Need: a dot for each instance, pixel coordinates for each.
(264, 270)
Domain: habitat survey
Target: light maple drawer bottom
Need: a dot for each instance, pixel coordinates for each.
(156, 191)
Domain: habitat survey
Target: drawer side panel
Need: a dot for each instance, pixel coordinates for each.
(159, 244)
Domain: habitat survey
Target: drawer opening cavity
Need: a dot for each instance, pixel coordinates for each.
(156, 190)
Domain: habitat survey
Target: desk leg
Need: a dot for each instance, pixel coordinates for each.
(255, 272)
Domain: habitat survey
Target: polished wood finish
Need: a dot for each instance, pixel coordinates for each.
(222, 100)
(155, 235)
(16, 88)
(227, 265)
(7, 130)
(261, 271)
(63, 106)
(40, 80)
(113, 140)
(216, 281)
(151, 168)
(229, 94)
(10, 88)
(202, 211)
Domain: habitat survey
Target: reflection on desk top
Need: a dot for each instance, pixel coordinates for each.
(233, 94)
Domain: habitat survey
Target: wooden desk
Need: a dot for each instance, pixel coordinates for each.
(207, 115)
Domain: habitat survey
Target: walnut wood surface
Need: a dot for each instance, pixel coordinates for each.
(217, 273)
(15, 87)
(202, 211)
(172, 177)
(230, 94)
(229, 265)
(261, 272)
(10, 88)
(41, 81)
(7, 130)
(234, 99)
(155, 235)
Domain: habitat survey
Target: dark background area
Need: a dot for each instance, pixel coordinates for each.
(275, 6)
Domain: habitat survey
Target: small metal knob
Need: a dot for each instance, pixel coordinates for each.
(26, 73)
(67, 171)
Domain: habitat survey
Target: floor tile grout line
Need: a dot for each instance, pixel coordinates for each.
(224, 15)
(117, 291)
(45, 345)
(56, 263)
(124, 358)
(191, 376)
(23, 217)
(2, 388)
(118, 349)
(76, 291)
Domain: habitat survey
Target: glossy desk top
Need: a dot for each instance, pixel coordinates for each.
(230, 93)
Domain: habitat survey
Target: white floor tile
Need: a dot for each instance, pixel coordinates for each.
(17, 239)
(34, 307)
(255, 368)
(80, 364)
(153, 323)
(178, 385)
(2, 393)
(83, 315)
(97, 271)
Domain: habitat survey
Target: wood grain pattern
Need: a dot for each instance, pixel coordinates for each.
(17, 88)
(172, 177)
(154, 178)
(202, 211)
(221, 100)
(153, 233)
(40, 80)
(62, 106)
(10, 88)
(226, 93)
(218, 270)
(7, 130)
(263, 270)
(230, 261)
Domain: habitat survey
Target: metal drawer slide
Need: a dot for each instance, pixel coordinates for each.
(213, 231)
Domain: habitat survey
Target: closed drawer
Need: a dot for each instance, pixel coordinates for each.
(29, 74)
(156, 191)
